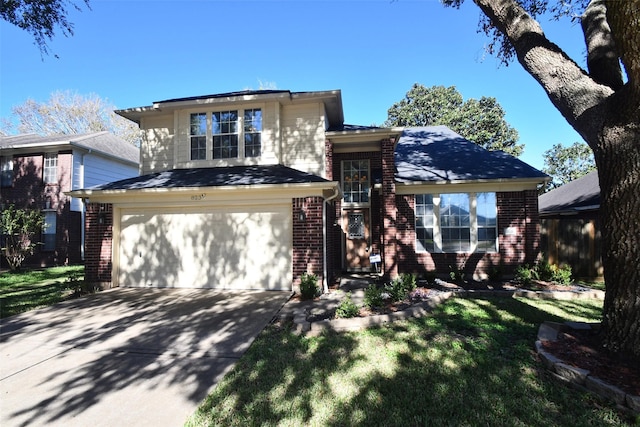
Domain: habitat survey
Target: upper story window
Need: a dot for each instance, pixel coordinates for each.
(50, 168)
(458, 222)
(218, 135)
(224, 127)
(6, 171)
(356, 181)
(252, 132)
(198, 136)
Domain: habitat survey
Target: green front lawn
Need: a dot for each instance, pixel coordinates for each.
(28, 289)
(469, 364)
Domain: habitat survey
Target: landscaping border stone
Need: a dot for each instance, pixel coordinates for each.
(580, 378)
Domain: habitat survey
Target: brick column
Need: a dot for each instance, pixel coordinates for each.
(98, 244)
(389, 210)
(307, 238)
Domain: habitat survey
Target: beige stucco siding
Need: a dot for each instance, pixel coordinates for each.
(235, 247)
(157, 152)
(303, 138)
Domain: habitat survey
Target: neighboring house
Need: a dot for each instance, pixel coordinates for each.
(249, 190)
(570, 226)
(38, 170)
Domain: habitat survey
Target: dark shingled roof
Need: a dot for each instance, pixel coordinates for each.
(224, 95)
(104, 142)
(214, 177)
(436, 153)
(578, 195)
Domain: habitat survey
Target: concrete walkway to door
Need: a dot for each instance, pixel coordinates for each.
(125, 356)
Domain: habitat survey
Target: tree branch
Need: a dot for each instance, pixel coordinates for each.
(602, 58)
(571, 90)
(624, 19)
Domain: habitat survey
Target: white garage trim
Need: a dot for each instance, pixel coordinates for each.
(206, 246)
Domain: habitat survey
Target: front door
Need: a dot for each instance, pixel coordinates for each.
(357, 239)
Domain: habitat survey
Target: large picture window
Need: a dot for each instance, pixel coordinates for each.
(456, 222)
(355, 181)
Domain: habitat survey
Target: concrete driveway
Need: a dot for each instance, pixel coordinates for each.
(133, 357)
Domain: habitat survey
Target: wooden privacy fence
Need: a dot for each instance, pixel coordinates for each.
(574, 241)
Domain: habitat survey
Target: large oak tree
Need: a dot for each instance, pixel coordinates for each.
(603, 106)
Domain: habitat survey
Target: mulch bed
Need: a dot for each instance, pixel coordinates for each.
(583, 349)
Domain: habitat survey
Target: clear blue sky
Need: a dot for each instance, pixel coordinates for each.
(133, 53)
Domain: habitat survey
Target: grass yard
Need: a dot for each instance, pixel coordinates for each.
(28, 289)
(470, 364)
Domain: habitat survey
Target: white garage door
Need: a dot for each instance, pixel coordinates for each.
(224, 248)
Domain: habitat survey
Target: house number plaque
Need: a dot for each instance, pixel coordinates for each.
(198, 197)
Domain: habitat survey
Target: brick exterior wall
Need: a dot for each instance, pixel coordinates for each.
(517, 211)
(308, 253)
(29, 191)
(98, 244)
(389, 211)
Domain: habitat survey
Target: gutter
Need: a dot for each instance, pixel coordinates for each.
(325, 283)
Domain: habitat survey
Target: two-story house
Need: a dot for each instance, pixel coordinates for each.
(249, 190)
(36, 171)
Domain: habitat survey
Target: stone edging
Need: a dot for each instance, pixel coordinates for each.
(580, 378)
(302, 326)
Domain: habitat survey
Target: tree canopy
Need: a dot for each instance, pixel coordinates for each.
(69, 113)
(602, 103)
(41, 18)
(481, 121)
(565, 164)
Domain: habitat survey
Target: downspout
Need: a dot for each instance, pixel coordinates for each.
(325, 282)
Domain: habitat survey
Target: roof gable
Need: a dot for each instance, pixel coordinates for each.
(436, 154)
(100, 142)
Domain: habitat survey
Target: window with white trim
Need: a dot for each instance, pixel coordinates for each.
(6, 171)
(456, 222)
(198, 136)
(252, 132)
(224, 128)
(217, 135)
(355, 181)
(50, 168)
(49, 231)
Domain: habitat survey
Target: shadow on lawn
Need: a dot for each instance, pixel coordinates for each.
(471, 363)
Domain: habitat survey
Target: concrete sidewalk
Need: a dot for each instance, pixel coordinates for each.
(125, 356)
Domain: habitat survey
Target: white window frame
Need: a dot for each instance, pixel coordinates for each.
(255, 127)
(196, 136)
(49, 229)
(50, 168)
(437, 227)
(358, 203)
(6, 171)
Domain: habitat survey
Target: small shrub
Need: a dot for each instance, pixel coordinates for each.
(525, 274)
(373, 297)
(347, 308)
(309, 286)
(545, 270)
(430, 277)
(562, 275)
(400, 287)
(456, 273)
